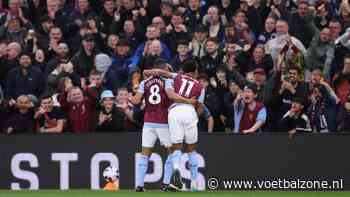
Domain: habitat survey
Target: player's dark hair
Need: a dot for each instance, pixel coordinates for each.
(160, 63)
(189, 66)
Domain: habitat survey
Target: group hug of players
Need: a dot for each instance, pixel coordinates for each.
(172, 101)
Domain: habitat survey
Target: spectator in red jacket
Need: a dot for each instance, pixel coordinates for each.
(80, 109)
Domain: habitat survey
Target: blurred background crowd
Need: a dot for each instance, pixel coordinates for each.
(73, 65)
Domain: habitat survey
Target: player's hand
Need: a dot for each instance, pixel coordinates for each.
(193, 101)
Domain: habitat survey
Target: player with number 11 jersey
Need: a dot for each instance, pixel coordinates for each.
(154, 91)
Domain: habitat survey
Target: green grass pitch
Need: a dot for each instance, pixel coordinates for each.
(129, 193)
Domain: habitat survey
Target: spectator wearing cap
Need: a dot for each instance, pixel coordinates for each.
(302, 24)
(249, 114)
(295, 120)
(183, 54)
(198, 42)
(25, 79)
(123, 62)
(320, 54)
(194, 14)
(212, 59)
(83, 60)
(20, 117)
(110, 118)
(49, 118)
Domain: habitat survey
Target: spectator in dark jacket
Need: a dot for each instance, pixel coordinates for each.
(323, 104)
(83, 61)
(123, 63)
(110, 118)
(25, 79)
(294, 120)
(212, 59)
(194, 14)
(8, 59)
(21, 116)
(302, 24)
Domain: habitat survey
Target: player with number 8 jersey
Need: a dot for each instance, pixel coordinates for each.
(157, 93)
(183, 119)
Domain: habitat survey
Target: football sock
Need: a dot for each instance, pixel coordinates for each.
(168, 170)
(193, 165)
(142, 166)
(176, 157)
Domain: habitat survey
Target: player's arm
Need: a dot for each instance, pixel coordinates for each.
(158, 72)
(179, 99)
(139, 95)
(175, 97)
(200, 102)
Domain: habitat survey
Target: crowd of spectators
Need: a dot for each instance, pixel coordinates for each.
(266, 65)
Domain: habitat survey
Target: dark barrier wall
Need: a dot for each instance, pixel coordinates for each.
(76, 161)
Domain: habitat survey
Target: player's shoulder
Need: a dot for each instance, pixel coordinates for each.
(148, 79)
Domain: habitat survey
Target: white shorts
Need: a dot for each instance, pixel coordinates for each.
(150, 136)
(182, 120)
